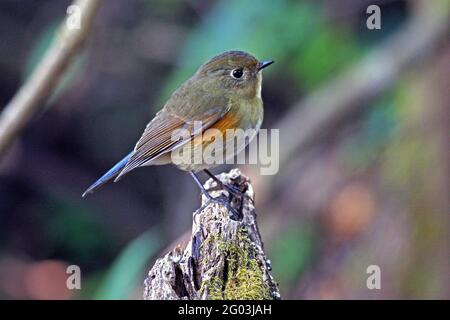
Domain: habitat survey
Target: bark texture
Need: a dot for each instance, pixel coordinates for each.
(224, 258)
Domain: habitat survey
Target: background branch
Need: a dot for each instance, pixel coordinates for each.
(42, 82)
(319, 113)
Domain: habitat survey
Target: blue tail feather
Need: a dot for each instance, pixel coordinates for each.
(113, 172)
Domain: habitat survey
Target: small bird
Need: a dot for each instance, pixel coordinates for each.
(224, 93)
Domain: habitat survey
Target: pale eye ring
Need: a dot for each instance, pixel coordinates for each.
(237, 73)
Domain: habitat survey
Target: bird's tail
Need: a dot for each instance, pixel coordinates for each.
(113, 172)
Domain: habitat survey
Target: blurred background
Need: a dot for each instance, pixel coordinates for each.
(364, 125)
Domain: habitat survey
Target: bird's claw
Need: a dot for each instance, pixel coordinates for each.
(232, 190)
(234, 214)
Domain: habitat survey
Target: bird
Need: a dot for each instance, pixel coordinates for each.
(223, 94)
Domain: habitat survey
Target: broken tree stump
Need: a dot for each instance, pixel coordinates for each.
(224, 258)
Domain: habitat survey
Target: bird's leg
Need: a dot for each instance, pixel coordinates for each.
(234, 214)
(231, 189)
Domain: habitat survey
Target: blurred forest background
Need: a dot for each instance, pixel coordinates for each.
(364, 125)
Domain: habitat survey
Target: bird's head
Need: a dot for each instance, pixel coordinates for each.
(234, 72)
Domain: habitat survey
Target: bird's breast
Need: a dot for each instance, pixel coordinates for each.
(226, 137)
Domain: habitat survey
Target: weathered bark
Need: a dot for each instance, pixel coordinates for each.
(224, 258)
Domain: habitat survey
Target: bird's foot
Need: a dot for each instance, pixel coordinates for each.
(231, 189)
(222, 200)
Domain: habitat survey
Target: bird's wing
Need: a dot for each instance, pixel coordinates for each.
(157, 138)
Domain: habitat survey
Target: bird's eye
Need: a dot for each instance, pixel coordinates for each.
(237, 73)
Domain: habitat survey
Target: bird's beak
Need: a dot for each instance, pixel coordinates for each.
(263, 64)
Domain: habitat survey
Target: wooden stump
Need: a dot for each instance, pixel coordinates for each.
(224, 258)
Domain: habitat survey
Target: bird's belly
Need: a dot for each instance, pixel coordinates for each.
(217, 145)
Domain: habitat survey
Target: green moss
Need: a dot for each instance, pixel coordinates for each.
(215, 285)
(244, 278)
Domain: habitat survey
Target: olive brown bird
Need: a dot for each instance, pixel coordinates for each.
(224, 94)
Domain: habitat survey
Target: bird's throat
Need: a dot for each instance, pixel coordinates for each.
(258, 84)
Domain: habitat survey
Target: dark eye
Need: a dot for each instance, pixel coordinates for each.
(237, 73)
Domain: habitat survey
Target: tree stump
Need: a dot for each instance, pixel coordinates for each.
(224, 258)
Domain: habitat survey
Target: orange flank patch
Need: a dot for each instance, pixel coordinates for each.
(228, 121)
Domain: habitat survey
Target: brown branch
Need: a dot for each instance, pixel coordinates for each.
(224, 258)
(33, 94)
(334, 105)
(319, 113)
